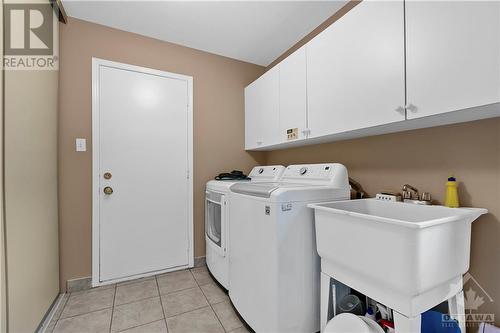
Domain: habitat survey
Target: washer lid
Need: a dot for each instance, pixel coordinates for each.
(223, 185)
(347, 323)
(263, 190)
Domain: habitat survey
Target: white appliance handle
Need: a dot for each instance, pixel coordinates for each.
(215, 201)
(223, 229)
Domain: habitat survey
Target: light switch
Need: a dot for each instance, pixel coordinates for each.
(81, 144)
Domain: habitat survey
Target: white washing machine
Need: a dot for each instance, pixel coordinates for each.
(274, 266)
(217, 205)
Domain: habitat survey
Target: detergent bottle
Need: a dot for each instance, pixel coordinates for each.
(451, 193)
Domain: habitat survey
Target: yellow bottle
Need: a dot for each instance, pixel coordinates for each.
(451, 193)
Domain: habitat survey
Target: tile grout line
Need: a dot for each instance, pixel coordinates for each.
(139, 299)
(112, 309)
(222, 301)
(175, 291)
(192, 310)
(86, 313)
(211, 307)
(132, 327)
(182, 290)
(161, 302)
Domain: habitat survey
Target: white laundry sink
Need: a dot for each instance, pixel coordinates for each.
(408, 256)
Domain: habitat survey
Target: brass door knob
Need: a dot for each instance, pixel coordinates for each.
(108, 190)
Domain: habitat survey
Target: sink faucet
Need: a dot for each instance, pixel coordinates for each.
(408, 190)
(410, 195)
(357, 191)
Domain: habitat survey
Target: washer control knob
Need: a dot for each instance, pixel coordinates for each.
(261, 170)
(303, 170)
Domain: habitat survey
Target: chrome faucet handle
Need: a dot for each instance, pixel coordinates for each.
(426, 196)
(407, 192)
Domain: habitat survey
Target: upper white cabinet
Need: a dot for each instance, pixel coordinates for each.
(452, 55)
(262, 110)
(292, 91)
(355, 70)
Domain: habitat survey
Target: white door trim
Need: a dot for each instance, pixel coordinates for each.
(96, 63)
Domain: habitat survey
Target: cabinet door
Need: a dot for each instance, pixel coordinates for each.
(292, 117)
(355, 70)
(453, 55)
(262, 110)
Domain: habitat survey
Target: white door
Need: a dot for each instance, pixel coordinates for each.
(292, 95)
(142, 154)
(355, 70)
(262, 110)
(452, 55)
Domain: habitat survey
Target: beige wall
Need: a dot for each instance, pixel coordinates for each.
(31, 222)
(425, 158)
(218, 123)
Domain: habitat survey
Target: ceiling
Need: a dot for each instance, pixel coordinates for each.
(253, 31)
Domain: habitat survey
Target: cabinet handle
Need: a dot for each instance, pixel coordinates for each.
(259, 143)
(306, 131)
(410, 107)
(400, 109)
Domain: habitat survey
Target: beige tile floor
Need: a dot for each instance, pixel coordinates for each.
(187, 301)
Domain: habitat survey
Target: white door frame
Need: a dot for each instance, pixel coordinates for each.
(96, 64)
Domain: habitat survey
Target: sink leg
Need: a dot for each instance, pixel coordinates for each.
(403, 324)
(325, 299)
(456, 306)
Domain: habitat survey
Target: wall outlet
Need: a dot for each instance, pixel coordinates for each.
(81, 144)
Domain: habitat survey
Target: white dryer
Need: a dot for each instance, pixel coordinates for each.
(274, 266)
(217, 206)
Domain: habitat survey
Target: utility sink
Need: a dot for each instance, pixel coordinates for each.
(408, 256)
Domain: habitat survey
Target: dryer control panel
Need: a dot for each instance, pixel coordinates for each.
(325, 173)
(267, 173)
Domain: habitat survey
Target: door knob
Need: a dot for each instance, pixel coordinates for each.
(108, 190)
